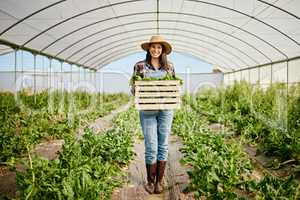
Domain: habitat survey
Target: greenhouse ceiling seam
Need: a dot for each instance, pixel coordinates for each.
(63, 60)
(102, 59)
(119, 3)
(170, 40)
(191, 0)
(143, 29)
(281, 9)
(30, 15)
(117, 34)
(188, 14)
(75, 16)
(245, 14)
(170, 34)
(144, 21)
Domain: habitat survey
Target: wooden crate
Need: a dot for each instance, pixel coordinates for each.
(157, 95)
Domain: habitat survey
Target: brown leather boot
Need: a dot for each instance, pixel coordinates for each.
(159, 187)
(151, 173)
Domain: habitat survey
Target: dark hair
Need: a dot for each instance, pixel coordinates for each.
(163, 61)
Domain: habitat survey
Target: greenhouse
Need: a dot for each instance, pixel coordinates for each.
(150, 99)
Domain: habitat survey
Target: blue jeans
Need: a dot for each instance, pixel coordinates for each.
(156, 127)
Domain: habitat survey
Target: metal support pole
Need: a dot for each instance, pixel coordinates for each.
(271, 74)
(79, 74)
(287, 74)
(61, 103)
(100, 77)
(50, 99)
(258, 76)
(22, 68)
(50, 77)
(61, 77)
(43, 72)
(223, 77)
(15, 69)
(91, 76)
(88, 76)
(101, 89)
(71, 77)
(34, 77)
(84, 78)
(95, 82)
(187, 80)
(249, 76)
(99, 94)
(83, 74)
(241, 76)
(287, 92)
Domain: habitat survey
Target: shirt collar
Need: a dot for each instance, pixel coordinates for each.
(151, 67)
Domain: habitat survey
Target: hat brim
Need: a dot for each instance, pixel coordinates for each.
(168, 48)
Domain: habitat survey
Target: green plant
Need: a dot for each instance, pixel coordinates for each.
(48, 115)
(86, 169)
(219, 165)
(166, 77)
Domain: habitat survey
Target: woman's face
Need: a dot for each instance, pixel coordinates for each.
(155, 50)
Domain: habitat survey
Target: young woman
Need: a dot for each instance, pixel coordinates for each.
(156, 124)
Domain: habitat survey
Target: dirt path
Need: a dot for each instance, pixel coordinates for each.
(176, 178)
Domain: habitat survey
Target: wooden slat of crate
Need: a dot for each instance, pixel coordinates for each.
(156, 106)
(157, 94)
(156, 88)
(157, 100)
(171, 82)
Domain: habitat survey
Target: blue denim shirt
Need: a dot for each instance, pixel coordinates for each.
(154, 73)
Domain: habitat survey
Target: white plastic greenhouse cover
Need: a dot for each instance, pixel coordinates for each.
(232, 34)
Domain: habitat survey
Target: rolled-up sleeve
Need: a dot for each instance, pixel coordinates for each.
(137, 71)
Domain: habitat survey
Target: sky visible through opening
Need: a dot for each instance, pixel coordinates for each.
(183, 63)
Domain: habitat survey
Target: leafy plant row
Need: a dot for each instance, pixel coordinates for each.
(268, 118)
(220, 168)
(26, 119)
(86, 169)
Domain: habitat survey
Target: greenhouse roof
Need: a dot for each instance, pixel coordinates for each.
(228, 33)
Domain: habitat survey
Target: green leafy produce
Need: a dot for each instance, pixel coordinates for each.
(86, 169)
(219, 165)
(268, 117)
(48, 115)
(274, 188)
(220, 168)
(166, 77)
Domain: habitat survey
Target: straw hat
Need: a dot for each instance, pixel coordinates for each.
(157, 39)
